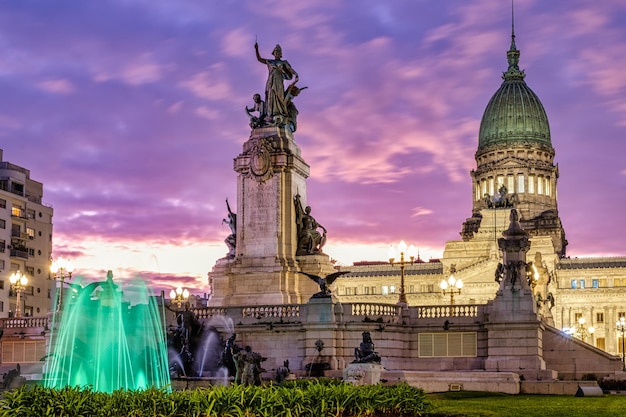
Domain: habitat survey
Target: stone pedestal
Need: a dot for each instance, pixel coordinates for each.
(515, 341)
(265, 269)
(363, 373)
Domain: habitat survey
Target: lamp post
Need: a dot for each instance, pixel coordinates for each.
(180, 296)
(620, 325)
(581, 331)
(61, 268)
(18, 282)
(401, 249)
(451, 285)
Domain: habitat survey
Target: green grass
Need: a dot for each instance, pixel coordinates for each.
(481, 404)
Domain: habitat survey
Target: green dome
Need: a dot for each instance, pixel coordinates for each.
(514, 113)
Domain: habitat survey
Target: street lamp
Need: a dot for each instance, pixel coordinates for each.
(401, 249)
(620, 325)
(451, 286)
(61, 268)
(179, 296)
(581, 331)
(18, 282)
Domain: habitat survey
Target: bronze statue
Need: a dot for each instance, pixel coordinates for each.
(365, 352)
(310, 241)
(258, 107)
(231, 240)
(278, 108)
(325, 282)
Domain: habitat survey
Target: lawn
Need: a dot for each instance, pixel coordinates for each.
(481, 404)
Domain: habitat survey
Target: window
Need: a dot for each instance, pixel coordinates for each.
(520, 183)
(484, 187)
(3, 224)
(600, 343)
(30, 271)
(348, 290)
(1, 264)
(621, 314)
(578, 284)
(531, 184)
(30, 232)
(16, 211)
(3, 245)
(23, 352)
(540, 185)
(448, 344)
(491, 186)
(392, 289)
(547, 187)
(599, 317)
(373, 290)
(411, 289)
(595, 283)
(510, 184)
(366, 290)
(3, 203)
(577, 317)
(385, 290)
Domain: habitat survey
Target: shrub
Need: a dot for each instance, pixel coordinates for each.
(303, 398)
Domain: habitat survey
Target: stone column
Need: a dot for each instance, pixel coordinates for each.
(514, 327)
(271, 172)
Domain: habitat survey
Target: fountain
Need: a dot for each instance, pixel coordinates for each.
(108, 340)
(196, 349)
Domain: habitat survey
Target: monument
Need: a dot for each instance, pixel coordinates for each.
(274, 235)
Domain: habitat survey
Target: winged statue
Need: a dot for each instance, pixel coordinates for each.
(325, 282)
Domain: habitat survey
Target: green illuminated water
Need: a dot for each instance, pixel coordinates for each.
(108, 339)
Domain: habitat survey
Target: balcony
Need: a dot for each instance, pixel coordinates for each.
(21, 253)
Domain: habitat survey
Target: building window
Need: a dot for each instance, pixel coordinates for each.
(547, 187)
(595, 283)
(491, 186)
(600, 343)
(3, 245)
(510, 184)
(484, 187)
(23, 352)
(448, 344)
(1, 264)
(348, 290)
(539, 185)
(3, 203)
(621, 314)
(411, 289)
(3, 224)
(392, 289)
(577, 317)
(599, 317)
(520, 183)
(578, 284)
(367, 290)
(385, 290)
(373, 290)
(531, 184)
(30, 232)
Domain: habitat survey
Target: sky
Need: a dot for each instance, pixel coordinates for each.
(130, 112)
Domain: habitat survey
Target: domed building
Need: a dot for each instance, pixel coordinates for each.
(514, 169)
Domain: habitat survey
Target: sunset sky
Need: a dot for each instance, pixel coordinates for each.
(130, 112)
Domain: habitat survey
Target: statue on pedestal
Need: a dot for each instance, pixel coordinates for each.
(325, 282)
(365, 352)
(231, 240)
(310, 240)
(278, 108)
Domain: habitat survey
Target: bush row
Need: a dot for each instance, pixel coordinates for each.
(299, 399)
